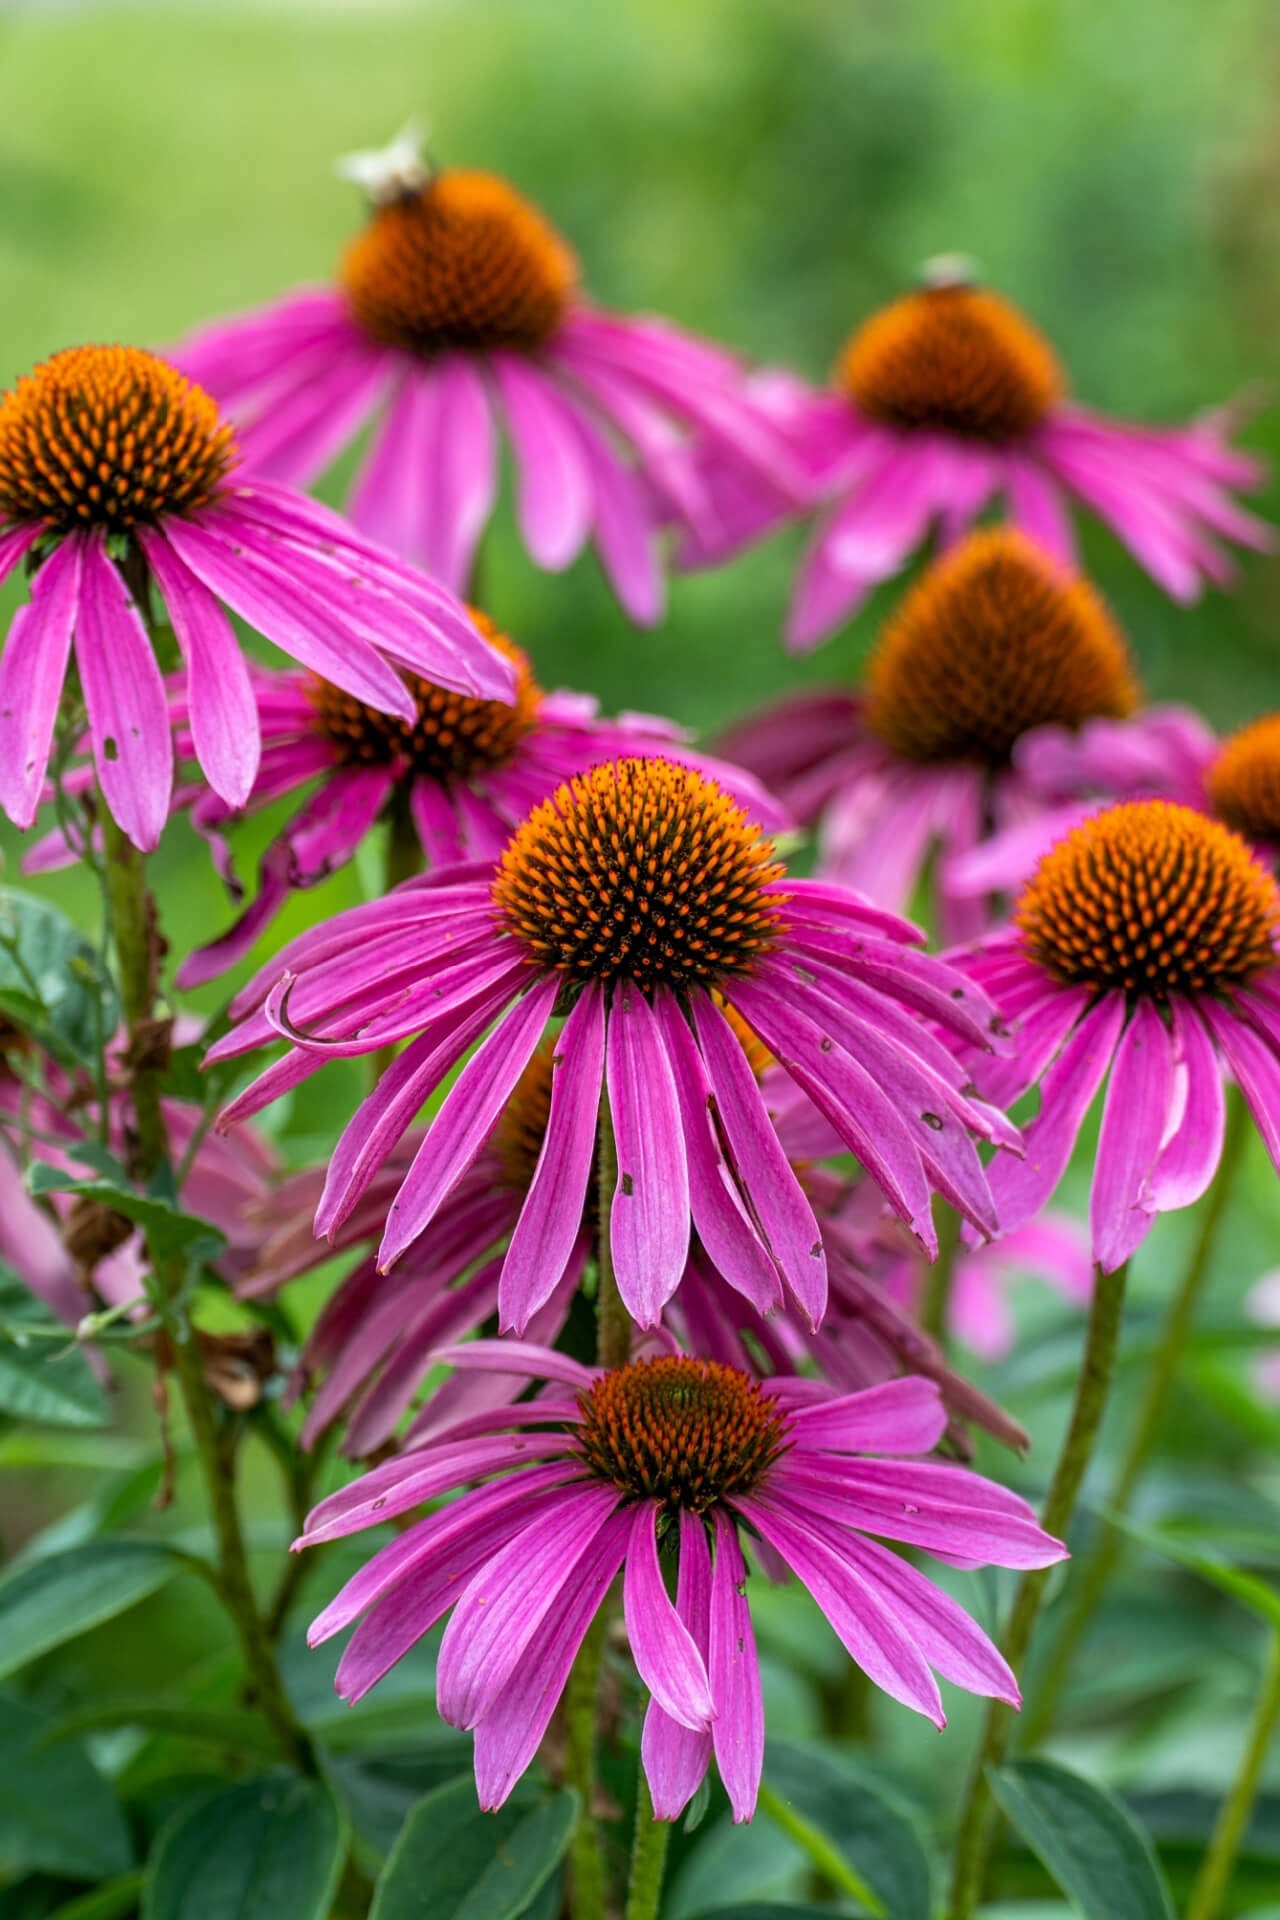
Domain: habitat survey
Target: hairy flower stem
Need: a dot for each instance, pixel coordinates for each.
(940, 1277)
(137, 942)
(1213, 1882)
(582, 1698)
(1095, 1570)
(648, 1857)
(977, 1819)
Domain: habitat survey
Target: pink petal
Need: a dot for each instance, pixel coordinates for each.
(675, 1757)
(220, 695)
(1190, 1157)
(649, 1222)
(33, 667)
(738, 1731)
(667, 1657)
(1133, 1125)
(125, 697)
(554, 493)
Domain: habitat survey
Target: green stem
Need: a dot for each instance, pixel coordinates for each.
(613, 1322)
(138, 949)
(1093, 1386)
(137, 943)
(588, 1891)
(940, 1277)
(1094, 1572)
(648, 1858)
(581, 1708)
(1213, 1882)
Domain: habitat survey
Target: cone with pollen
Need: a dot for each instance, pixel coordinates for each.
(452, 734)
(645, 869)
(953, 358)
(994, 641)
(463, 262)
(1151, 898)
(681, 1431)
(1244, 780)
(1141, 958)
(109, 437)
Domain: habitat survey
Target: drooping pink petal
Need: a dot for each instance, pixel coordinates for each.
(467, 1118)
(766, 1175)
(224, 711)
(33, 666)
(1189, 1158)
(554, 492)
(667, 1657)
(465, 476)
(899, 1416)
(738, 1730)
(626, 536)
(1022, 1187)
(125, 698)
(500, 1612)
(551, 1217)
(649, 1220)
(869, 1628)
(511, 1732)
(1139, 1093)
(675, 1757)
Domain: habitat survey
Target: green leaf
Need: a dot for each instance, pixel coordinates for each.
(53, 1599)
(57, 1813)
(453, 1862)
(836, 1809)
(1257, 1595)
(52, 981)
(108, 1902)
(1092, 1847)
(238, 1732)
(168, 1231)
(44, 1376)
(268, 1849)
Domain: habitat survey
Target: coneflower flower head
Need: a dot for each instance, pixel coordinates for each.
(116, 475)
(458, 313)
(948, 399)
(637, 904)
(1143, 954)
(669, 1459)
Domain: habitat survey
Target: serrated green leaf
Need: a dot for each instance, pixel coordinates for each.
(168, 1231)
(57, 1813)
(870, 1834)
(1085, 1839)
(47, 1601)
(44, 1377)
(53, 980)
(453, 1862)
(268, 1849)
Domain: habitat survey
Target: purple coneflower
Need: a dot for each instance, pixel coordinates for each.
(458, 311)
(993, 651)
(668, 1459)
(374, 1342)
(638, 903)
(947, 399)
(116, 475)
(1143, 953)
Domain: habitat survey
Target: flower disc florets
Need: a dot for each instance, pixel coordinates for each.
(453, 733)
(644, 870)
(954, 358)
(1244, 780)
(465, 262)
(1154, 899)
(992, 642)
(687, 1432)
(109, 437)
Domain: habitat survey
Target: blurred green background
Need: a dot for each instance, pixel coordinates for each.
(766, 171)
